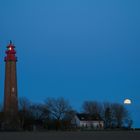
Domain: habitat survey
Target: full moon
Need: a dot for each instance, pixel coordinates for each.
(127, 101)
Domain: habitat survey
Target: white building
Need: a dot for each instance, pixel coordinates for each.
(83, 120)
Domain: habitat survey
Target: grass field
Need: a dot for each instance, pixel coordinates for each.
(104, 135)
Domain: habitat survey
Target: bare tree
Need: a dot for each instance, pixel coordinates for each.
(60, 113)
(24, 112)
(115, 115)
(58, 107)
(107, 114)
(24, 104)
(40, 112)
(92, 107)
(120, 114)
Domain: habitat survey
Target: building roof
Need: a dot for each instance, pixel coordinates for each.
(88, 117)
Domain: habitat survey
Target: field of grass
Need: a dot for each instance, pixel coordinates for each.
(97, 135)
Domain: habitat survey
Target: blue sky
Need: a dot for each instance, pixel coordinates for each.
(77, 49)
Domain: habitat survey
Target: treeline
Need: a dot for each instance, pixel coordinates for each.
(57, 114)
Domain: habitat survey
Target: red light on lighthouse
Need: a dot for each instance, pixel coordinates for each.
(10, 53)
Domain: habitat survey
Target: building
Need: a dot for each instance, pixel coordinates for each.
(10, 89)
(83, 120)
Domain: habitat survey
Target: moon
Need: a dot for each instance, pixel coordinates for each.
(127, 101)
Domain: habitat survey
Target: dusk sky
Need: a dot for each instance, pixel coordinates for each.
(76, 49)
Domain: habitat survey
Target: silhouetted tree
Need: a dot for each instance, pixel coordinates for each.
(67, 120)
(107, 114)
(114, 114)
(120, 114)
(59, 110)
(108, 118)
(25, 114)
(129, 123)
(92, 108)
(40, 114)
(58, 107)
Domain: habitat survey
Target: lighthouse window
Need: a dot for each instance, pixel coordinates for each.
(13, 89)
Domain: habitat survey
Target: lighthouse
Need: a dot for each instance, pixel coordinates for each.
(10, 89)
